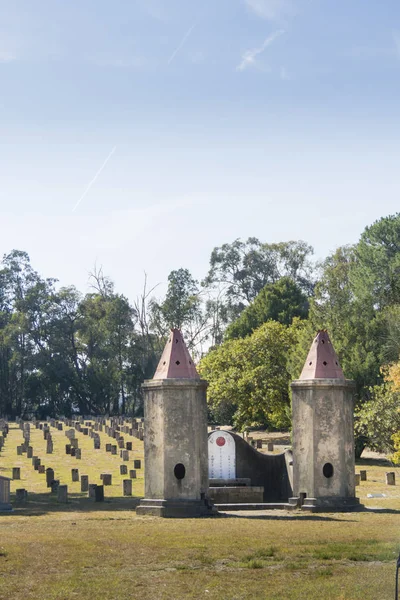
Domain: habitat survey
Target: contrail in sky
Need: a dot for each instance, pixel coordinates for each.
(185, 37)
(94, 179)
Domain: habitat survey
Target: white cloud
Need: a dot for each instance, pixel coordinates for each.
(272, 10)
(249, 57)
(6, 57)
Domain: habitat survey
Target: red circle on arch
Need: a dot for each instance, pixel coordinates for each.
(221, 441)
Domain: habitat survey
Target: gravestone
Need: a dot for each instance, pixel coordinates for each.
(99, 493)
(127, 487)
(108, 447)
(84, 483)
(16, 473)
(29, 452)
(5, 494)
(363, 475)
(68, 449)
(129, 445)
(54, 486)
(137, 464)
(132, 474)
(62, 494)
(106, 478)
(74, 443)
(391, 478)
(78, 453)
(41, 469)
(49, 476)
(221, 455)
(123, 469)
(125, 455)
(114, 449)
(75, 474)
(92, 491)
(21, 495)
(19, 450)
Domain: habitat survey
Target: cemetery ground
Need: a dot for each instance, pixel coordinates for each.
(87, 550)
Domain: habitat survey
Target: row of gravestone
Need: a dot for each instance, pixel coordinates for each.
(73, 449)
(113, 432)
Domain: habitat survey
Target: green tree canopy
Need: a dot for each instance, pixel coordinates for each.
(249, 378)
(377, 268)
(281, 301)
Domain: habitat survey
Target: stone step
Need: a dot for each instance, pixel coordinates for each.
(255, 506)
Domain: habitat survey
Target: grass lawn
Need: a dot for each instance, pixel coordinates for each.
(86, 550)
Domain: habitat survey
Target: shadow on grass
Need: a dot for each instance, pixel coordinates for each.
(41, 504)
(300, 517)
(373, 462)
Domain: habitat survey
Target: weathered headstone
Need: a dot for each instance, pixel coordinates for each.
(137, 464)
(127, 487)
(54, 486)
(62, 494)
(92, 491)
(106, 478)
(16, 473)
(123, 469)
(363, 475)
(390, 478)
(75, 474)
(84, 483)
(78, 453)
(21, 495)
(49, 476)
(99, 493)
(132, 474)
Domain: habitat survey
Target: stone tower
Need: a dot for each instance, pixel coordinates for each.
(323, 434)
(175, 437)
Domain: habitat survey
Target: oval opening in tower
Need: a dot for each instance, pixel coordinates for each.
(179, 471)
(327, 470)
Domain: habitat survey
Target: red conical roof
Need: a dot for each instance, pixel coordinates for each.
(322, 362)
(176, 362)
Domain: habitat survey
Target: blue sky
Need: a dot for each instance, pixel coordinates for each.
(212, 120)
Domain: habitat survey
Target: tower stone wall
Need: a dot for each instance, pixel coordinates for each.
(323, 432)
(175, 440)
